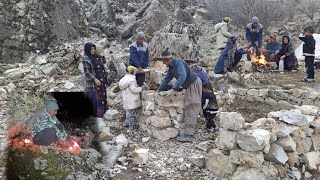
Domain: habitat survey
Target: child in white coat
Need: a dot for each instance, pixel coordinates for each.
(130, 96)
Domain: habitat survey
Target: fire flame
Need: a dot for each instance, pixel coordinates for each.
(75, 146)
(27, 141)
(260, 60)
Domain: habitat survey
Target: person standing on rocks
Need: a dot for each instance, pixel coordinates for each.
(208, 101)
(308, 49)
(96, 79)
(223, 33)
(139, 57)
(185, 79)
(130, 96)
(254, 35)
(47, 129)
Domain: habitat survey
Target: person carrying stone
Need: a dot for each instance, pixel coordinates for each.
(309, 52)
(208, 100)
(270, 50)
(47, 129)
(185, 79)
(254, 32)
(139, 57)
(223, 33)
(230, 56)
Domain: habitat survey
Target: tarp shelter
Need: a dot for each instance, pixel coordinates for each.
(298, 51)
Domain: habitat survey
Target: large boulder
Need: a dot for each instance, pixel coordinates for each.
(313, 160)
(226, 140)
(276, 154)
(253, 140)
(294, 118)
(38, 25)
(102, 16)
(287, 144)
(165, 134)
(220, 164)
(245, 173)
(232, 121)
(244, 158)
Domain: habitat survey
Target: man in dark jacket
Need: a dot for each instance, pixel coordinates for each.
(186, 79)
(254, 34)
(139, 57)
(271, 48)
(308, 49)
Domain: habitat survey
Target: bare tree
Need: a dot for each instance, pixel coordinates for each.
(310, 8)
(219, 9)
(241, 11)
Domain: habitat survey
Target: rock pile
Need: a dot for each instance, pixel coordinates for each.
(161, 116)
(289, 139)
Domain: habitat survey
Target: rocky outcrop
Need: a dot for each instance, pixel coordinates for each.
(36, 26)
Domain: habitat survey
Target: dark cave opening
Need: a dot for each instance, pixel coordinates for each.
(74, 108)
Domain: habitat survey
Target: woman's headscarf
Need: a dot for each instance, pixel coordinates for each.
(284, 47)
(87, 49)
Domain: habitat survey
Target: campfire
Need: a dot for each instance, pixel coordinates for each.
(259, 63)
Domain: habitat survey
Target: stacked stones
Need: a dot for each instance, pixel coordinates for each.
(288, 139)
(161, 116)
(275, 96)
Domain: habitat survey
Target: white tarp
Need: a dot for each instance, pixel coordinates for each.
(298, 51)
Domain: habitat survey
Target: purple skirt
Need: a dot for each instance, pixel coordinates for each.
(99, 103)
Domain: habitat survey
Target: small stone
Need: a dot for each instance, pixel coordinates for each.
(111, 114)
(313, 160)
(287, 144)
(140, 156)
(226, 140)
(145, 139)
(69, 85)
(105, 134)
(316, 142)
(165, 134)
(121, 139)
(294, 118)
(307, 174)
(276, 154)
(220, 164)
(203, 145)
(253, 140)
(160, 122)
(244, 158)
(40, 164)
(232, 121)
(282, 130)
(161, 112)
(197, 160)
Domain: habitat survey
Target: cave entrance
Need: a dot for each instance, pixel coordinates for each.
(74, 108)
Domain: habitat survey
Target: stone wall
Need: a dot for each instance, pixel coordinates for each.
(275, 96)
(289, 139)
(161, 116)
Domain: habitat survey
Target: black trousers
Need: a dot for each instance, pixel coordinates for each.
(47, 136)
(258, 53)
(237, 58)
(140, 79)
(209, 117)
(309, 60)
